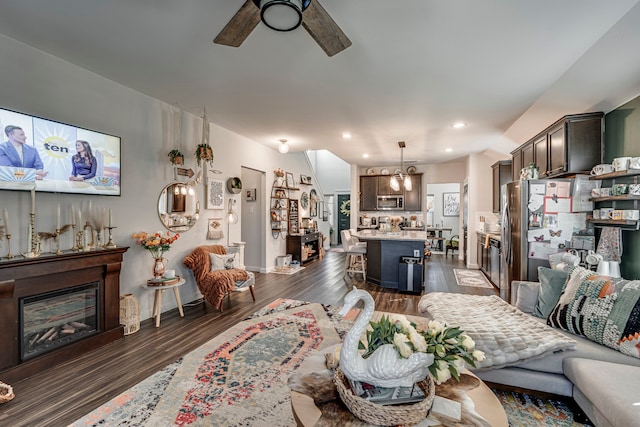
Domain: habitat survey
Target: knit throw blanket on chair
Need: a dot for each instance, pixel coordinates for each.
(213, 285)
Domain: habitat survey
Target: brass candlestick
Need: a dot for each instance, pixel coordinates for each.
(9, 254)
(75, 238)
(34, 250)
(80, 241)
(58, 251)
(110, 244)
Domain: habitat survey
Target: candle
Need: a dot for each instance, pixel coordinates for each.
(29, 239)
(80, 218)
(33, 200)
(6, 221)
(58, 218)
(110, 218)
(89, 211)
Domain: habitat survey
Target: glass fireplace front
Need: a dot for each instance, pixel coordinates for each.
(51, 320)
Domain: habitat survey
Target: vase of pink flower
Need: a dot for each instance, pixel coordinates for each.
(157, 244)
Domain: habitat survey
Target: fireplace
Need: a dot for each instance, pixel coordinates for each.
(72, 300)
(55, 319)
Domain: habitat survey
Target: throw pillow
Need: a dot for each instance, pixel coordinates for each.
(551, 286)
(603, 309)
(527, 296)
(224, 262)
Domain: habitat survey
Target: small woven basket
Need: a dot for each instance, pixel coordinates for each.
(6, 392)
(386, 415)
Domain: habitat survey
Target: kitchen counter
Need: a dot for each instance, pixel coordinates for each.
(384, 254)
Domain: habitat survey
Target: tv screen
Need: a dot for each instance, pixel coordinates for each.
(56, 157)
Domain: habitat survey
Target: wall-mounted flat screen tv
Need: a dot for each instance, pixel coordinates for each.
(56, 157)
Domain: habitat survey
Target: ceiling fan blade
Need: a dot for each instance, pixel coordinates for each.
(240, 26)
(324, 29)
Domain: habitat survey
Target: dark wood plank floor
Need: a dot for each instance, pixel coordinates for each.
(65, 393)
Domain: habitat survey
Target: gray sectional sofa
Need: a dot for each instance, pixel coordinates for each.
(605, 383)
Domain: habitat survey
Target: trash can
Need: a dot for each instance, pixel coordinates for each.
(410, 273)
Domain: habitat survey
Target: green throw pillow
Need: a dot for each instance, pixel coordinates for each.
(551, 286)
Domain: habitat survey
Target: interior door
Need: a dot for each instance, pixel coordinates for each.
(344, 214)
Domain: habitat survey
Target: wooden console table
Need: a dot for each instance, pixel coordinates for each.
(27, 277)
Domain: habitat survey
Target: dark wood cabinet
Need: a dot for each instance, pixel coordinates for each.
(368, 193)
(571, 145)
(413, 198)
(501, 175)
(541, 154)
(372, 186)
(304, 247)
(516, 164)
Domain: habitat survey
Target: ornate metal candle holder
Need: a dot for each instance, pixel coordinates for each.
(34, 250)
(9, 254)
(110, 244)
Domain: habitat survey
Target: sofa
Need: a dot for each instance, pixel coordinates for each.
(604, 382)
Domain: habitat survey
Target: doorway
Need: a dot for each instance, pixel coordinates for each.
(253, 219)
(344, 214)
(444, 209)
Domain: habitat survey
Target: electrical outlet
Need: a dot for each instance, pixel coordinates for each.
(416, 252)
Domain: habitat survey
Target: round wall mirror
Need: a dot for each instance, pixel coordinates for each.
(178, 206)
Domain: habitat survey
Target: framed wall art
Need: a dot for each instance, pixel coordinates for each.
(305, 179)
(215, 194)
(450, 204)
(214, 229)
(290, 181)
(250, 195)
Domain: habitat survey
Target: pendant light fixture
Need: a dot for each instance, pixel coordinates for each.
(284, 147)
(396, 179)
(232, 217)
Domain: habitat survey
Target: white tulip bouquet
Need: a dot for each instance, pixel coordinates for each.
(451, 348)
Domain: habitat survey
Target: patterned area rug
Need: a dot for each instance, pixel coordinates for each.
(473, 278)
(237, 379)
(524, 410)
(240, 377)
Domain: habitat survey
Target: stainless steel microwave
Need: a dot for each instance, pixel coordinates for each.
(390, 203)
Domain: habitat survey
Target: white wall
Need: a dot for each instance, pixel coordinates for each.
(40, 84)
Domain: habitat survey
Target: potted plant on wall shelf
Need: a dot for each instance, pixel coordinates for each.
(176, 157)
(204, 152)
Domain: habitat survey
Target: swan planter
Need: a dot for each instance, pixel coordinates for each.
(410, 358)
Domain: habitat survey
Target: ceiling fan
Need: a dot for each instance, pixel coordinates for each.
(285, 15)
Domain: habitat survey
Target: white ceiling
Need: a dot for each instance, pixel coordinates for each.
(508, 68)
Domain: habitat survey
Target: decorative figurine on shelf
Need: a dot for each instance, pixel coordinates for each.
(529, 172)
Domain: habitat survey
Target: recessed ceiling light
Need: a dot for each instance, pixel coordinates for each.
(365, 155)
(346, 135)
(459, 125)
(448, 150)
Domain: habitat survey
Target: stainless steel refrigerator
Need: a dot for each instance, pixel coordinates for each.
(517, 219)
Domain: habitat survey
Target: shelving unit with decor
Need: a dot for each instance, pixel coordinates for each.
(279, 209)
(626, 199)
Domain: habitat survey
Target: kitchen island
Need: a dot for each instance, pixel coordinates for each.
(384, 253)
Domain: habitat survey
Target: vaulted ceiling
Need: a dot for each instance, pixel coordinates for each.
(508, 68)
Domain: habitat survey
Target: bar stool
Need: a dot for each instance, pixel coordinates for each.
(355, 255)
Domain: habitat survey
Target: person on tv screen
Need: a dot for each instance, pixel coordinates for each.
(83, 163)
(15, 152)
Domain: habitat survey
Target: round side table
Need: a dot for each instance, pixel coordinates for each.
(157, 300)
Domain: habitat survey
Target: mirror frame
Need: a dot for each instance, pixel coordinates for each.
(185, 209)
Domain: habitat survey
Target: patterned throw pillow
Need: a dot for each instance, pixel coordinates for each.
(224, 262)
(603, 309)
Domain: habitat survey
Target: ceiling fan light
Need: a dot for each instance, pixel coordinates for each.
(281, 15)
